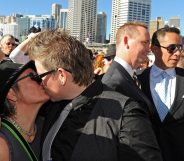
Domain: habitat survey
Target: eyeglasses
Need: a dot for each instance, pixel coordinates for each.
(109, 58)
(35, 77)
(172, 48)
(9, 43)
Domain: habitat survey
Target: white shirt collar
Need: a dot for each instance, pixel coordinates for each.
(156, 71)
(127, 66)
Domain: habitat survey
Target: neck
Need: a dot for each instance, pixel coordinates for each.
(73, 91)
(24, 120)
(28, 135)
(26, 114)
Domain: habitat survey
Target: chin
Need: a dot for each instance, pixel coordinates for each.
(140, 60)
(54, 100)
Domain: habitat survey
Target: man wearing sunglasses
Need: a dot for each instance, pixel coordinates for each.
(86, 121)
(7, 44)
(163, 84)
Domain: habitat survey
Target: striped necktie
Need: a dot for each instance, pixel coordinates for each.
(136, 80)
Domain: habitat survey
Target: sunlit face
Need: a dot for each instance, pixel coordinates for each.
(29, 91)
(139, 47)
(7, 45)
(163, 58)
(50, 82)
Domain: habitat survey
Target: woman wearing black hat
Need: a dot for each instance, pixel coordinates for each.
(21, 97)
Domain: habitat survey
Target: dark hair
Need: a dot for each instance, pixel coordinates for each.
(34, 30)
(91, 54)
(10, 109)
(162, 32)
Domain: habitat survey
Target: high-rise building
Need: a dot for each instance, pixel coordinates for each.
(7, 19)
(101, 26)
(56, 12)
(42, 21)
(63, 19)
(155, 25)
(10, 28)
(82, 19)
(128, 10)
(24, 26)
(174, 21)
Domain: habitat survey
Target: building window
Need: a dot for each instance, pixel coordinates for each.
(143, 12)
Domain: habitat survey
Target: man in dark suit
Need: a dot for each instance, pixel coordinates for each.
(163, 84)
(132, 47)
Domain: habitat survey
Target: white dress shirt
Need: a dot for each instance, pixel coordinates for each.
(127, 67)
(155, 84)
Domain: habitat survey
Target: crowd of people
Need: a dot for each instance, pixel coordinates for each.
(59, 102)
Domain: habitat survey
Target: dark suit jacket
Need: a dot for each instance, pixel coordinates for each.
(170, 132)
(120, 80)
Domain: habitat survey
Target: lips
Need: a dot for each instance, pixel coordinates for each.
(174, 60)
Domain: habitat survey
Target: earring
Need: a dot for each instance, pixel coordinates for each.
(62, 83)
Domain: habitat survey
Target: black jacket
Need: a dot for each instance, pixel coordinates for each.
(170, 132)
(103, 126)
(118, 79)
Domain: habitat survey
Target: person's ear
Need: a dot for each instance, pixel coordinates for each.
(12, 95)
(62, 76)
(125, 40)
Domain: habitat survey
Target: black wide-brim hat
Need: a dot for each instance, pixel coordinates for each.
(9, 72)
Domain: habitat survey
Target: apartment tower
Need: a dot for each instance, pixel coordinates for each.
(82, 19)
(63, 19)
(155, 25)
(101, 27)
(174, 21)
(128, 10)
(56, 13)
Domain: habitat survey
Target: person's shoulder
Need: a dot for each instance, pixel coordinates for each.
(179, 71)
(114, 97)
(116, 103)
(146, 71)
(50, 107)
(110, 93)
(4, 149)
(144, 74)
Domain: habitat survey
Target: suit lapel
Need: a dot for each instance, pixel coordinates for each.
(120, 80)
(179, 92)
(145, 84)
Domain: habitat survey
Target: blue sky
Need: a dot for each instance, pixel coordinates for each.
(164, 8)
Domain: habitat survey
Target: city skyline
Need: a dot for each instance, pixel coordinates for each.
(165, 9)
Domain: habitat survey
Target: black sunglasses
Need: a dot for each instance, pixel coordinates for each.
(172, 48)
(9, 43)
(35, 77)
(109, 58)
